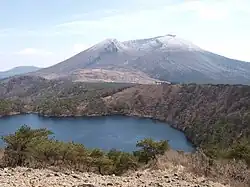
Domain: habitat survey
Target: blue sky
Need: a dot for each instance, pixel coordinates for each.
(43, 33)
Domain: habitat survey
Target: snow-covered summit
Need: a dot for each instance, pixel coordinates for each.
(175, 42)
(167, 57)
(110, 44)
(166, 42)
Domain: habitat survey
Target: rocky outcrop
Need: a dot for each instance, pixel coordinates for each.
(25, 177)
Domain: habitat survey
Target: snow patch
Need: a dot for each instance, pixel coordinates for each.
(110, 44)
(174, 42)
(167, 42)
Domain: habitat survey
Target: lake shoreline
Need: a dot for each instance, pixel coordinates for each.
(112, 131)
(137, 115)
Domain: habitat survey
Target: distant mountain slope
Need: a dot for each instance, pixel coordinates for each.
(103, 75)
(18, 71)
(168, 58)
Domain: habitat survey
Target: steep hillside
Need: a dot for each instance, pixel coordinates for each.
(18, 71)
(168, 58)
(215, 117)
(31, 94)
(210, 115)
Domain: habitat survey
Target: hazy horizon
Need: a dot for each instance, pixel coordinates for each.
(45, 33)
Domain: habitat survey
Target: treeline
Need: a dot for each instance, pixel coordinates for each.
(8, 107)
(5, 107)
(86, 99)
(215, 118)
(222, 140)
(55, 97)
(34, 148)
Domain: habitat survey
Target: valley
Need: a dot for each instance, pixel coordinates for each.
(205, 113)
(215, 118)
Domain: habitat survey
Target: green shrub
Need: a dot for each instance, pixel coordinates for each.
(240, 152)
(34, 148)
(122, 161)
(17, 151)
(149, 149)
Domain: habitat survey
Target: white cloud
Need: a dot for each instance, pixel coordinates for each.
(123, 25)
(96, 14)
(207, 10)
(157, 17)
(212, 24)
(208, 23)
(145, 16)
(33, 51)
(218, 10)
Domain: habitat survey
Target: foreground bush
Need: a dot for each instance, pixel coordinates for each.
(149, 149)
(240, 152)
(122, 161)
(19, 144)
(34, 148)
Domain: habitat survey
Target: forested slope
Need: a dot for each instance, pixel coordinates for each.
(215, 117)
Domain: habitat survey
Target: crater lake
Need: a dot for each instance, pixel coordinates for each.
(106, 132)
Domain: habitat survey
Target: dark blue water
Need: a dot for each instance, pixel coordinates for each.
(119, 132)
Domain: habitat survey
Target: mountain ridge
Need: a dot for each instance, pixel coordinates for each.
(19, 70)
(167, 58)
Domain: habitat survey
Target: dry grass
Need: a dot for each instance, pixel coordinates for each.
(1, 156)
(234, 173)
(1, 153)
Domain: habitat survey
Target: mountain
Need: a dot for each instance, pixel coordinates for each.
(167, 58)
(18, 71)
